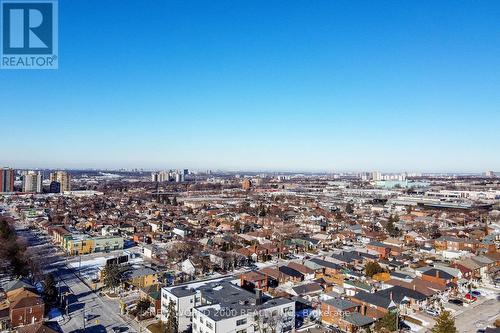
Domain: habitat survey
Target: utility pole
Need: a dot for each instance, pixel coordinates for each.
(84, 318)
(397, 320)
(59, 292)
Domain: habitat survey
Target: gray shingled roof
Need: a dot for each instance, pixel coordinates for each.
(340, 304)
(358, 319)
(16, 284)
(374, 299)
(307, 288)
(398, 293)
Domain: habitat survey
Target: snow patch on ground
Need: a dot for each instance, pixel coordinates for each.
(89, 268)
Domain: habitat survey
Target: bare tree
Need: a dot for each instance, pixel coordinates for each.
(267, 321)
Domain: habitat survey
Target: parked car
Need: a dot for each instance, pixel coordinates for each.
(404, 326)
(470, 298)
(456, 301)
(334, 329)
(432, 312)
(475, 293)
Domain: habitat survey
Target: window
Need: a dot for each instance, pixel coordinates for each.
(242, 331)
(209, 325)
(191, 300)
(240, 322)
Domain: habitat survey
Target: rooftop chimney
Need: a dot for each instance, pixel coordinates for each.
(390, 295)
(258, 296)
(437, 273)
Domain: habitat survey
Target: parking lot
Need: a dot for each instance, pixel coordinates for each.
(477, 316)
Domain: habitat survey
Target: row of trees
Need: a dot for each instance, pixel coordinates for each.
(12, 250)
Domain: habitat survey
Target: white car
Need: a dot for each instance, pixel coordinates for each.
(432, 312)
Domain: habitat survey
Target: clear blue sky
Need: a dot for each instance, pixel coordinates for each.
(289, 85)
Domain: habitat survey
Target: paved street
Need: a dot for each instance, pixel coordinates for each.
(102, 313)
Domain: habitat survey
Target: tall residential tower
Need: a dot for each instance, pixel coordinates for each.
(63, 178)
(6, 180)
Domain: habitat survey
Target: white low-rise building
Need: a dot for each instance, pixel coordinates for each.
(276, 315)
(223, 307)
(184, 300)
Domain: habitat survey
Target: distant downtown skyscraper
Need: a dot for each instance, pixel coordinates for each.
(63, 178)
(6, 180)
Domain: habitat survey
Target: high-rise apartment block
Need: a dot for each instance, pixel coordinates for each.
(32, 182)
(63, 178)
(167, 176)
(6, 180)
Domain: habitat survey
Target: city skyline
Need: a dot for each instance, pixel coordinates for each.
(409, 172)
(262, 86)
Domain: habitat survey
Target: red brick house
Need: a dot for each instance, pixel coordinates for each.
(273, 274)
(438, 276)
(26, 308)
(254, 280)
(467, 273)
(36, 328)
(382, 249)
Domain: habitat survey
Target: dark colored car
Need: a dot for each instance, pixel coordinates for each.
(404, 327)
(456, 301)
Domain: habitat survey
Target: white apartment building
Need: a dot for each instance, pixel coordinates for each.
(276, 315)
(223, 307)
(184, 299)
